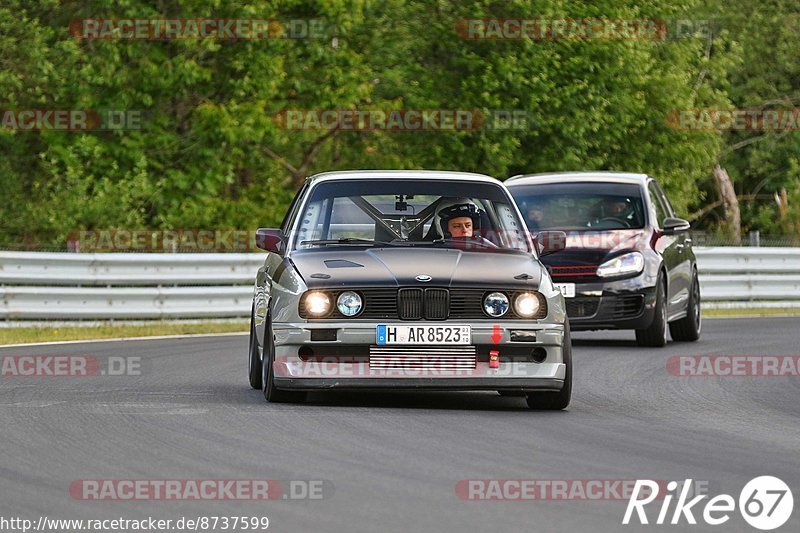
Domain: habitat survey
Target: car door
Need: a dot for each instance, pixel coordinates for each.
(667, 246)
(682, 277)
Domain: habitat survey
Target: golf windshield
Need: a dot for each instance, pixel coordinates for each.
(580, 206)
(466, 215)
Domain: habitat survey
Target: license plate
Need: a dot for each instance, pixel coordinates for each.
(567, 289)
(392, 334)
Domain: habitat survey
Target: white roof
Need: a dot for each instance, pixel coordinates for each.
(403, 174)
(600, 176)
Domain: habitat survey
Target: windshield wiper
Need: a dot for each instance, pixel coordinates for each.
(346, 240)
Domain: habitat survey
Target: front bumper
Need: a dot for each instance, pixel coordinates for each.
(533, 360)
(608, 306)
(453, 383)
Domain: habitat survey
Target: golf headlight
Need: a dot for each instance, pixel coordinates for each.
(526, 304)
(631, 263)
(349, 303)
(495, 304)
(317, 303)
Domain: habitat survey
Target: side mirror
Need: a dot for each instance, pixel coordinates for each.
(673, 226)
(550, 242)
(270, 240)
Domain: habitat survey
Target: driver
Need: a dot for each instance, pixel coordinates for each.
(618, 207)
(536, 214)
(460, 220)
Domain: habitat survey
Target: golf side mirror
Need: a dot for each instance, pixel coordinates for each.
(674, 225)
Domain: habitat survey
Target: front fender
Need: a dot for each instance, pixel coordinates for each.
(276, 294)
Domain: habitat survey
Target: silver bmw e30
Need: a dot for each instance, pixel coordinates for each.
(415, 280)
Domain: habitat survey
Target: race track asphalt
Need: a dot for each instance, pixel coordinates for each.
(391, 461)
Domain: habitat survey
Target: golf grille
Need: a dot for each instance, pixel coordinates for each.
(573, 273)
(582, 307)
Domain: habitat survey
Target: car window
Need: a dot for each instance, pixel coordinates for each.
(665, 200)
(411, 212)
(346, 220)
(658, 203)
(580, 205)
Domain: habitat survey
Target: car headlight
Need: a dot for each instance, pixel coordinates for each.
(317, 303)
(526, 304)
(495, 304)
(349, 303)
(631, 263)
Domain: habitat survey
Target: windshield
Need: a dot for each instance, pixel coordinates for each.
(470, 216)
(579, 206)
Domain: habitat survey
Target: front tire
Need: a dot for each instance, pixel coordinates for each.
(655, 336)
(687, 329)
(555, 401)
(271, 393)
(254, 365)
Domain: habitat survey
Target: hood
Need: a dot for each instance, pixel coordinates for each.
(595, 246)
(391, 267)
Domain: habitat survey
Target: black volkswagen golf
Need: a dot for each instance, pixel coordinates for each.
(628, 262)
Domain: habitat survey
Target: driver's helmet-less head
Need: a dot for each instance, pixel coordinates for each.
(460, 210)
(535, 209)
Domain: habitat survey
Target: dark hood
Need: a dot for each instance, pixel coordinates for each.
(391, 267)
(596, 246)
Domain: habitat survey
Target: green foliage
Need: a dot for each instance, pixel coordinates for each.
(211, 153)
(768, 77)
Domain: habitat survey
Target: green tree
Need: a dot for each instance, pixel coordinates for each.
(212, 153)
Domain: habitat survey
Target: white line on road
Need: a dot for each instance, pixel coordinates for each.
(121, 339)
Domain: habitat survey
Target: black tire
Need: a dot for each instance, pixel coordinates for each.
(272, 394)
(688, 329)
(655, 336)
(254, 364)
(555, 401)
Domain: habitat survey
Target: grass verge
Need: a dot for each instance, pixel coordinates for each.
(744, 313)
(23, 335)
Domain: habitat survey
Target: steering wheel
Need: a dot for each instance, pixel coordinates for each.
(485, 242)
(615, 219)
(466, 242)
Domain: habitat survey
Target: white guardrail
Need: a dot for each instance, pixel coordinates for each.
(73, 286)
(749, 277)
